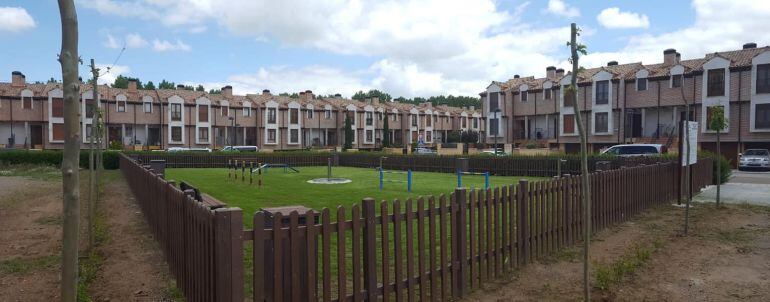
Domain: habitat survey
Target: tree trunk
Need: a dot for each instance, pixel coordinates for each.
(719, 167)
(584, 187)
(91, 164)
(70, 178)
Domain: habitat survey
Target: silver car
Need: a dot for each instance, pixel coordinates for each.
(754, 159)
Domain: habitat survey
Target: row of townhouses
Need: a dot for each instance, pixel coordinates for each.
(638, 103)
(31, 116)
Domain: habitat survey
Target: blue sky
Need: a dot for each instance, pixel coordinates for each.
(407, 48)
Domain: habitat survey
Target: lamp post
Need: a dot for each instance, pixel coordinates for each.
(497, 126)
(232, 127)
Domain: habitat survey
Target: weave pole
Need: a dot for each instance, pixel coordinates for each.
(251, 173)
(243, 170)
(229, 168)
(486, 180)
(409, 180)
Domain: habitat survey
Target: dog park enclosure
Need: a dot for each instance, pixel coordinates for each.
(434, 247)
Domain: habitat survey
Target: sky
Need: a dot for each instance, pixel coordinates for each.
(406, 48)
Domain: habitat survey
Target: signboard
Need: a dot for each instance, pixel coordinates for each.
(692, 136)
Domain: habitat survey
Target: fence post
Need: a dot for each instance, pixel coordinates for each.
(459, 248)
(522, 241)
(229, 254)
(370, 249)
(459, 179)
(409, 180)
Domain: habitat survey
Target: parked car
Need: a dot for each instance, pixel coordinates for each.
(500, 152)
(425, 151)
(185, 149)
(631, 150)
(240, 149)
(754, 159)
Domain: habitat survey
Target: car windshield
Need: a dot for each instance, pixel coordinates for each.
(756, 153)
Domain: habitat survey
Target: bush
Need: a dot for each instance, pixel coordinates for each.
(54, 158)
(531, 146)
(718, 163)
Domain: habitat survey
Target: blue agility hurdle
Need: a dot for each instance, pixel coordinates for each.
(408, 178)
(460, 178)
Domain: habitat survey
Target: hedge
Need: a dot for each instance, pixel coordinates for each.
(54, 158)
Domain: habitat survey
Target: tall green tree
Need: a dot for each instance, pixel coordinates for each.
(200, 88)
(166, 85)
(718, 123)
(576, 50)
(69, 60)
(149, 86)
(386, 131)
(348, 134)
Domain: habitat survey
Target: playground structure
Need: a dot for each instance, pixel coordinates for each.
(408, 180)
(329, 180)
(286, 167)
(460, 178)
(234, 165)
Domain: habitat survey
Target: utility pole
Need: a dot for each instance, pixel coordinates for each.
(69, 60)
(91, 167)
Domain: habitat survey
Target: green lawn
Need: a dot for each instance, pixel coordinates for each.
(281, 189)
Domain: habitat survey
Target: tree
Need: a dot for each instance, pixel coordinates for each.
(468, 137)
(122, 82)
(149, 86)
(69, 60)
(166, 85)
(348, 134)
(385, 132)
(718, 123)
(51, 80)
(200, 88)
(215, 91)
(575, 50)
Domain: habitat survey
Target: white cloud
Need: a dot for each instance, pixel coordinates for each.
(135, 40)
(15, 19)
(108, 73)
(561, 8)
(163, 45)
(112, 42)
(613, 18)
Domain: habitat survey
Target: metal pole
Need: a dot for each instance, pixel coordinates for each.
(486, 180)
(459, 179)
(380, 178)
(409, 180)
(496, 130)
(329, 169)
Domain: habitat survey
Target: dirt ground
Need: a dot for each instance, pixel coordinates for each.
(131, 266)
(726, 257)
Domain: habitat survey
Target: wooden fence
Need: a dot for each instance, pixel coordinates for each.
(431, 248)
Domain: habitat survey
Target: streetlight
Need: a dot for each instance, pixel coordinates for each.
(497, 127)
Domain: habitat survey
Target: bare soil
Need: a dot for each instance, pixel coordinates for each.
(726, 257)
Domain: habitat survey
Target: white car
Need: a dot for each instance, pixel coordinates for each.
(492, 152)
(631, 150)
(754, 159)
(240, 149)
(185, 149)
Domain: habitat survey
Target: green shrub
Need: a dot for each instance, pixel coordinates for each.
(719, 163)
(54, 158)
(531, 146)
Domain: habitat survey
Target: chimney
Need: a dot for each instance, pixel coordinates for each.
(375, 100)
(612, 63)
(265, 91)
(227, 91)
(669, 57)
(337, 96)
(132, 86)
(473, 108)
(302, 95)
(368, 100)
(308, 94)
(515, 76)
(750, 45)
(179, 86)
(550, 72)
(559, 72)
(18, 79)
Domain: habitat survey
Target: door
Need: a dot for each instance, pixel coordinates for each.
(36, 136)
(113, 134)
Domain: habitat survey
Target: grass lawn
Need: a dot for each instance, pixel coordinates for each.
(282, 189)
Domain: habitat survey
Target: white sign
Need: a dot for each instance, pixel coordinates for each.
(692, 136)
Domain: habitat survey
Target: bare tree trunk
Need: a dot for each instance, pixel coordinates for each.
(584, 187)
(70, 178)
(719, 166)
(687, 157)
(91, 165)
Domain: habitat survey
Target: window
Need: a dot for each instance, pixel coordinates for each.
(271, 115)
(716, 82)
(763, 78)
(569, 123)
(428, 121)
(224, 110)
(369, 119)
(294, 136)
(762, 117)
(429, 136)
(414, 120)
(121, 106)
(493, 102)
(58, 132)
(464, 122)
(89, 131)
(369, 135)
(176, 133)
(176, 112)
(641, 84)
(26, 102)
(710, 114)
(601, 123)
(203, 113)
(328, 113)
(475, 122)
(147, 107)
(310, 113)
(602, 92)
(271, 136)
(203, 134)
(676, 81)
(494, 124)
(379, 116)
(246, 111)
(569, 98)
(89, 108)
(524, 96)
(395, 117)
(547, 94)
(294, 116)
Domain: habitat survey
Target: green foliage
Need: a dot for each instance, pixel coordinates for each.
(360, 95)
(215, 91)
(469, 136)
(122, 82)
(26, 265)
(348, 134)
(116, 145)
(200, 88)
(718, 121)
(53, 158)
(453, 137)
(450, 100)
(531, 146)
(166, 85)
(149, 86)
(607, 275)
